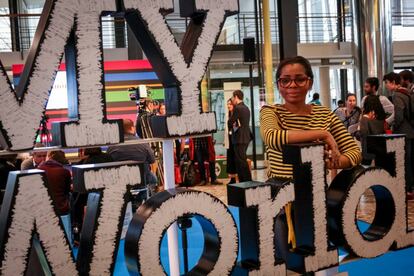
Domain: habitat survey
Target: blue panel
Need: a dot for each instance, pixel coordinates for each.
(16, 81)
(130, 76)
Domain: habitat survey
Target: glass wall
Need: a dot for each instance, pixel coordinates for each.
(218, 104)
(30, 14)
(5, 30)
(319, 21)
(402, 20)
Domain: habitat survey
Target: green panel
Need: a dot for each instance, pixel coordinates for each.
(117, 96)
(157, 94)
(123, 96)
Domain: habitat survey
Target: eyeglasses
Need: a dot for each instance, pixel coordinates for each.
(286, 82)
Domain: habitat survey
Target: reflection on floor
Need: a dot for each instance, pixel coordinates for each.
(366, 210)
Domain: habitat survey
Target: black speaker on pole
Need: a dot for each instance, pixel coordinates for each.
(249, 51)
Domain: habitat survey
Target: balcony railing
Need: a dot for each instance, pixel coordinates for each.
(402, 26)
(315, 27)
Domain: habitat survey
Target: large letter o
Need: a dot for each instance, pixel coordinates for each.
(143, 239)
(343, 198)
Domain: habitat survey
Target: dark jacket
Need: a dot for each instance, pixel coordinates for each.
(58, 182)
(135, 152)
(240, 121)
(401, 112)
(210, 147)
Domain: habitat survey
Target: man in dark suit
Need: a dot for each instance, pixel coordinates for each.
(241, 135)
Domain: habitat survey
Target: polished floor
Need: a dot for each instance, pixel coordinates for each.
(365, 212)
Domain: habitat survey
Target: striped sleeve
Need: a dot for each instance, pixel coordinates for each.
(346, 144)
(272, 134)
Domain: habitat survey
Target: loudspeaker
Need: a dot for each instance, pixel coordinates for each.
(187, 8)
(249, 51)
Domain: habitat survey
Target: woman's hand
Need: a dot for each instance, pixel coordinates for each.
(332, 154)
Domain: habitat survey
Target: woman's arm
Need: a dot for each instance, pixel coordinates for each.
(271, 130)
(333, 156)
(274, 136)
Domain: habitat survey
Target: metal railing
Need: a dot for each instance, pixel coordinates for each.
(28, 23)
(315, 27)
(402, 26)
(403, 19)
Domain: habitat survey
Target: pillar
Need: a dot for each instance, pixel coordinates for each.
(324, 84)
(375, 25)
(268, 59)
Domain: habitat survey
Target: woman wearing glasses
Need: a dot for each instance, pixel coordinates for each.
(298, 122)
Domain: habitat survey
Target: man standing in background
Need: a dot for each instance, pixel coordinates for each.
(241, 135)
(402, 123)
(371, 86)
(407, 79)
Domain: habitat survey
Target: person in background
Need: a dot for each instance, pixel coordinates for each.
(371, 86)
(58, 180)
(372, 123)
(402, 124)
(407, 79)
(340, 104)
(161, 109)
(241, 135)
(79, 200)
(228, 144)
(142, 124)
(36, 158)
(135, 152)
(297, 122)
(93, 156)
(350, 114)
(315, 99)
(201, 150)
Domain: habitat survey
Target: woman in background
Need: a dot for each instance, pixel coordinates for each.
(228, 144)
(372, 123)
(349, 114)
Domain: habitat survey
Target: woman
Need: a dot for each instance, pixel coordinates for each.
(349, 114)
(228, 144)
(298, 122)
(161, 109)
(372, 123)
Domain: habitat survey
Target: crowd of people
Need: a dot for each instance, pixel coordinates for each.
(379, 114)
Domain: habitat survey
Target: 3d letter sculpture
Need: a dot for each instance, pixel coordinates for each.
(21, 113)
(153, 218)
(180, 69)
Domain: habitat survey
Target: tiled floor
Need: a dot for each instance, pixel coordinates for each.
(366, 210)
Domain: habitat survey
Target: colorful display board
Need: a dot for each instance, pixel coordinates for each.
(119, 77)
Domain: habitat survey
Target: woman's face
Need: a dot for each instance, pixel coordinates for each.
(351, 102)
(292, 93)
(230, 106)
(162, 109)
